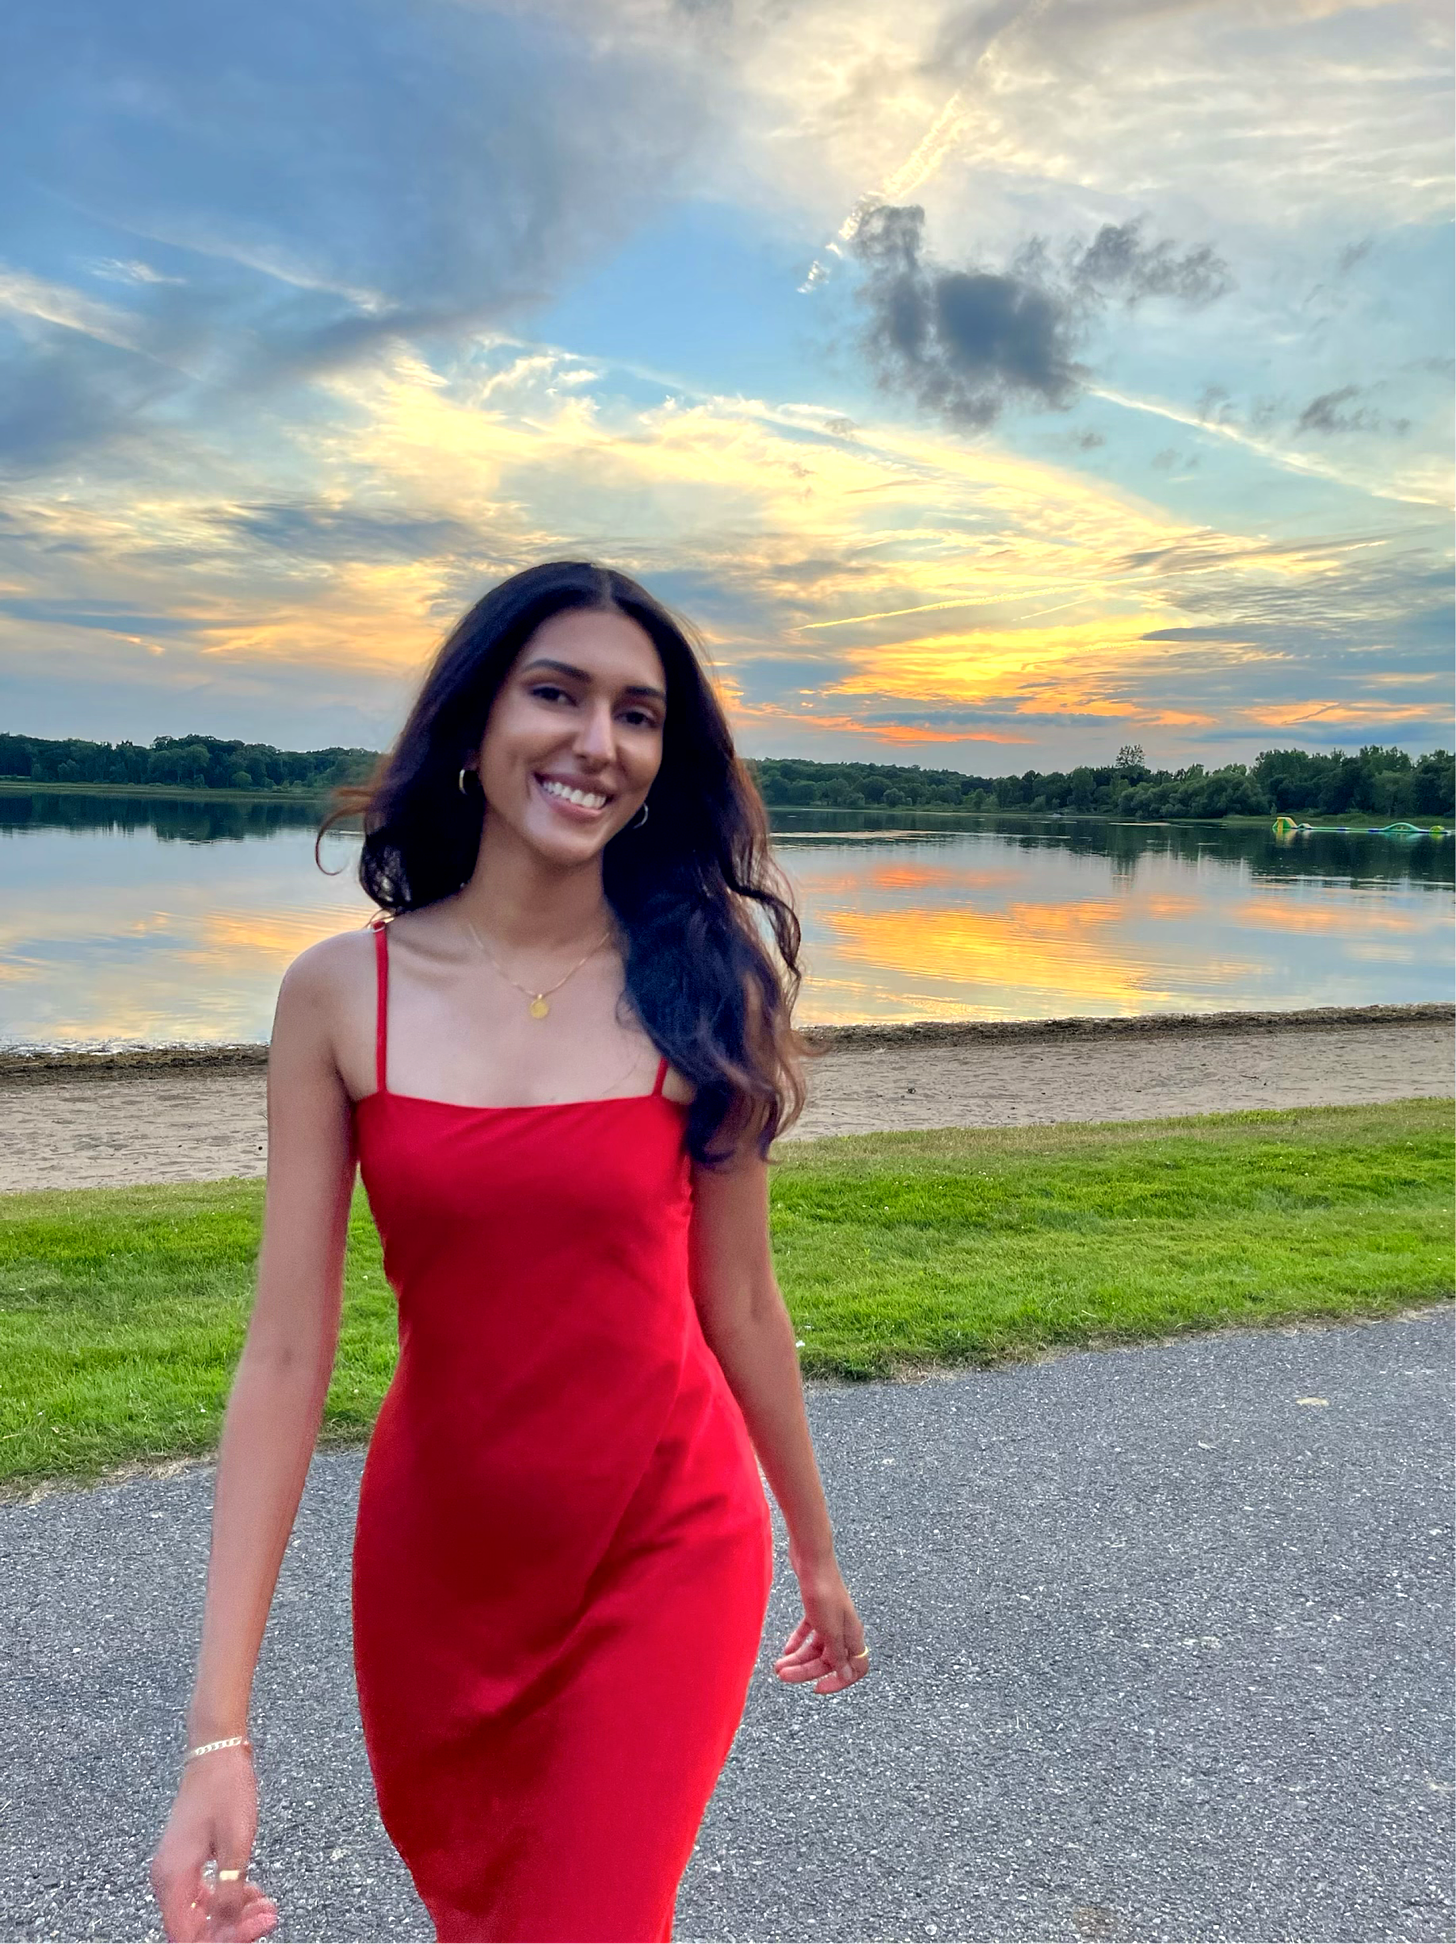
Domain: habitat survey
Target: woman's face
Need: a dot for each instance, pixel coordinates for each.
(574, 737)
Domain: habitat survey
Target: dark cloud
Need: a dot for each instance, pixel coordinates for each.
(1118, 263)
(1228, 637)
(292, 182)
(1324, 414)
(1378, 600)
(963, 343)
(333, 533)
(62, 393)
(1215, 406)
(1334, 411)
(1331, 412)
(967, 343)
(109, 617)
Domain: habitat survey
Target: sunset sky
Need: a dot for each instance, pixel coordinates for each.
(992, 385)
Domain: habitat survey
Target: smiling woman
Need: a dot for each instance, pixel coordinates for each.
(562, 1553)
(566, 717)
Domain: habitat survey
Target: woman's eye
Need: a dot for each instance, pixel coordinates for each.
(549, 692)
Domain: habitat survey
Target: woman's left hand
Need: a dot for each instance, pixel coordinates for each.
(828, 1645)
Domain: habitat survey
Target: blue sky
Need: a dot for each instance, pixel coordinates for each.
(992, 385)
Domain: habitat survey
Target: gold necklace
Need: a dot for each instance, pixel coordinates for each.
(538, 1008)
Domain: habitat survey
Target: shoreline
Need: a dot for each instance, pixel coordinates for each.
(319, 800)
(152, 1115)
(23, 1062)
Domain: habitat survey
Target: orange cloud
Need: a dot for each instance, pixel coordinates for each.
(1287, 714)
(910, 732)
(1074, 669)
(814, 535)
(771, 714)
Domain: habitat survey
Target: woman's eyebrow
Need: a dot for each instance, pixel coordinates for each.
(565, 668)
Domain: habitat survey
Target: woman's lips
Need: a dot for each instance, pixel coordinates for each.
(576, 812)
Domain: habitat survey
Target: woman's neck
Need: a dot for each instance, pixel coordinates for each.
(518, 899)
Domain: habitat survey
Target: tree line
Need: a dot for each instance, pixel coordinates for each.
(186, 762)
(1378, 782)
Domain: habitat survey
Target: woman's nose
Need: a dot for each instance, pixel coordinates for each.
(595, 735)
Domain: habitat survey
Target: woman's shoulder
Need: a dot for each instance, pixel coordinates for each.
(331, 964)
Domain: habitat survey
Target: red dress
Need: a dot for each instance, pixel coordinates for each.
(562, 1554)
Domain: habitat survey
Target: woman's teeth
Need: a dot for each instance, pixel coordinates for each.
(588, 799)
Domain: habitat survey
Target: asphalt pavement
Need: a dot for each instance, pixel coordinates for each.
(1163, 1650)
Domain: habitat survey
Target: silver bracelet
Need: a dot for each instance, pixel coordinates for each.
(228, 1741)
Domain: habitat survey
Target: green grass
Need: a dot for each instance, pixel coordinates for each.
(122, 1311)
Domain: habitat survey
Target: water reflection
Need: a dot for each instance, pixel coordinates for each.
(115, 930)
(1322, 854)
(133, 921)
(987, 925)
(177, 820)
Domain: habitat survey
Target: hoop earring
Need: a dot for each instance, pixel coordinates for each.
(461, 781)
(641, 817)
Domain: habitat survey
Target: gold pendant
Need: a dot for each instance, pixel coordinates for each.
(539, 1007)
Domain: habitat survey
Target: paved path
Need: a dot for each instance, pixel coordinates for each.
(139, 1124)
(1163, 1651)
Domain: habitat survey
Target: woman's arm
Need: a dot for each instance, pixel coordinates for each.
(268, 1435)
(749, 1331)
(278, 1391)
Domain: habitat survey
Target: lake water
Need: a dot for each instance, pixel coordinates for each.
(132, 921)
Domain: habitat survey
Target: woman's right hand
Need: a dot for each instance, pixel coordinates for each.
(214, 1819)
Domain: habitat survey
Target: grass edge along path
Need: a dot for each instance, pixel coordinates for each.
(122, 1311)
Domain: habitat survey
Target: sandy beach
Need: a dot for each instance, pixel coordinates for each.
(79, 1120)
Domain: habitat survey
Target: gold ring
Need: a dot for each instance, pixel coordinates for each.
(863, 1654)
(229, 1876)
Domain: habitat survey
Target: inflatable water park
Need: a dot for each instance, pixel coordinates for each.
(1287, 826)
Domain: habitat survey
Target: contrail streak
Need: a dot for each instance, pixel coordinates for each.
(1292, 461)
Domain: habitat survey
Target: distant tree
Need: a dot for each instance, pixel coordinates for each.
(1379, 782)
(1434, 785)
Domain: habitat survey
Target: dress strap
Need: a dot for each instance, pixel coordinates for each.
(661, 1075)
(381, 1008)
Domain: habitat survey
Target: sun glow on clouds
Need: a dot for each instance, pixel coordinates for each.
(1040, 671)
(1291, 715)
(808, 546)
(791, 515)
(284, 412)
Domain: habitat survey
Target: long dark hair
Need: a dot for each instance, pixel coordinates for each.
(693, 889)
